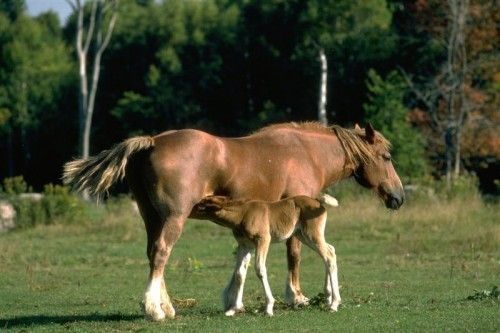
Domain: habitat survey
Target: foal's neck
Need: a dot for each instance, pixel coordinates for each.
(229, 216)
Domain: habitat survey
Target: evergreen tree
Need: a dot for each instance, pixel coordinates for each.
(387, 113)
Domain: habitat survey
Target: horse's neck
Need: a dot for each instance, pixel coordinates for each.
(334, 160)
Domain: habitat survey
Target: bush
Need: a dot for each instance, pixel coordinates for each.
(55, 205)
(61, 205)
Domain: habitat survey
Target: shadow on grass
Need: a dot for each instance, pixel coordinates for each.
(40, 320)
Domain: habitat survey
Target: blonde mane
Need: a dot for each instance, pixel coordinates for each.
(357, 150)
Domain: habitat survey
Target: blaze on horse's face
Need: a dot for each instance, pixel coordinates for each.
(380, 174)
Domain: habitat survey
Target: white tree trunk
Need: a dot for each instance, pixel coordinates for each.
(322, 117)
(87, 92)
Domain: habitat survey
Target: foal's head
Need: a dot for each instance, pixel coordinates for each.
(377, 171)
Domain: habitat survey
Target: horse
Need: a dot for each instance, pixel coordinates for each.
(256, 223)
(170, 172)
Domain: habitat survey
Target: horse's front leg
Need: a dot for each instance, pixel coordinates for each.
(293, 294)
(232, 297)
(157, 304)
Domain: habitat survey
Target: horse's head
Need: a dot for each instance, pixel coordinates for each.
(378, 173)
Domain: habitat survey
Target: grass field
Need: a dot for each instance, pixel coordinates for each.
(410, 270)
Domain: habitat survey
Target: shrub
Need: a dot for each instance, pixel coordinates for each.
(56, 205)
(60, 205)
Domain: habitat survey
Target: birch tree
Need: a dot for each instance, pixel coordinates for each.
(322, 117)
(328, 24)
(96, 33)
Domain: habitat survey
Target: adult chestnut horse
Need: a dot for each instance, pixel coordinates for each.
(169, 173)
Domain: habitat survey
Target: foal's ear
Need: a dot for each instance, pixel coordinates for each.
(357, 128)
(370, 133)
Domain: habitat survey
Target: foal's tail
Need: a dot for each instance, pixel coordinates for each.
(328, 200)
(97, 173)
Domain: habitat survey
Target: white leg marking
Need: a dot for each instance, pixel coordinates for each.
(152, 299)
(233, 294)
(328, 285)
(267, 290)
(260, 268)
(334, 281)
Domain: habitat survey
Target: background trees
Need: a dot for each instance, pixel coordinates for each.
(231, 66)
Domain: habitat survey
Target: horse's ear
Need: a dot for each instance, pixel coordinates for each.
(370, 133)
(357, 128)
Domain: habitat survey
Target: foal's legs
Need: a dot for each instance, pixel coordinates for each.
(262, 248)
(293, 294)
(232, 296)
(312, 234)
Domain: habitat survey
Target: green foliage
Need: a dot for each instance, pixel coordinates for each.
(34, 65)
(55, 205)
(134, 111)
(464, 187)
(386, 112)
(12, 8)
(62, 206)
(14, 186)
(480, 295)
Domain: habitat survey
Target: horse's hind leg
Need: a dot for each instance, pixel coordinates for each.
(156, 300)
(293, 294)
(232, 297)
(163, 229)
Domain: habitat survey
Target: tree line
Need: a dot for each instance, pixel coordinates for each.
(424, 72)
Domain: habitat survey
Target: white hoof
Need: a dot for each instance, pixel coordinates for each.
(230, 312)
(169, 310)
(334, 306)
(154, 312)
(152, 307)
(269, 308)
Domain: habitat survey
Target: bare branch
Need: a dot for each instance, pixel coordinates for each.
(71, 4)
(109, 32)
(90, 31)
(79, 32)
(428, 99)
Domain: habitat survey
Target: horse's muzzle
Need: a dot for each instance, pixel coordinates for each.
(394, 201)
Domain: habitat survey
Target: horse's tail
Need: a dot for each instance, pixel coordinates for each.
(96, 174)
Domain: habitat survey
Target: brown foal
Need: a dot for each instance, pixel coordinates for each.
(171, 172)
(256, 224)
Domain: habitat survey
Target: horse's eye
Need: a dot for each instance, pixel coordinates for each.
(387, 156)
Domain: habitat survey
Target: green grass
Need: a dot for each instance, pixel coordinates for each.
(411, 270)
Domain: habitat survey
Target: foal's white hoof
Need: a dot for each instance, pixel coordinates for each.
(334, 307)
